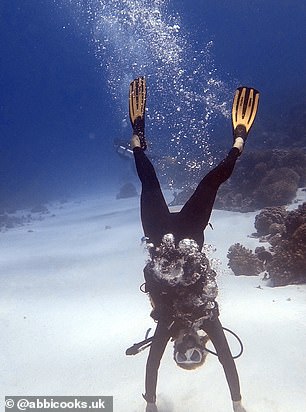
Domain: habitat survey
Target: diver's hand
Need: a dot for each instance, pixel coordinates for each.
(237, 407)
(151, 407)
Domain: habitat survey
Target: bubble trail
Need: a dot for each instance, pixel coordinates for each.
(185, 94)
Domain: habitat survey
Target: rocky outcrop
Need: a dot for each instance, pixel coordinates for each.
(268, 217)
(262, 178)
(284, 259)
(243, 261)
(126, 191)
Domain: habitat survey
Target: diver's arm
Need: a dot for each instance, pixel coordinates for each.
(159, 343)
(216, 334)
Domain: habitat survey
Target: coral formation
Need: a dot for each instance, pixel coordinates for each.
(9, 222)
(261, 179)
(243, 261)
(288, 263)
(285, 259)
(127, 190)
(268, 217)
(278, 187)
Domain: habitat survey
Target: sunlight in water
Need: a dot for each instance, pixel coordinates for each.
(185, 94)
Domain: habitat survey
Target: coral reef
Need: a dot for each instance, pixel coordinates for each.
(261, 179)
(243, 261)
(12, 219)
(278, 187)
(180, 198)
(9, 222)
(284, 260)
(288, 263)
(127, 190)
(267, 217)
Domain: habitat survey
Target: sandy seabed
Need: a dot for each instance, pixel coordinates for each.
(70, 306)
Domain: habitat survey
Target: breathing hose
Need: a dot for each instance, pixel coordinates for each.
(140, 346)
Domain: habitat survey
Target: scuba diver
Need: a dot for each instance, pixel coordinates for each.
(178, 277)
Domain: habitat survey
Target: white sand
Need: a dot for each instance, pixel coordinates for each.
(70, 306)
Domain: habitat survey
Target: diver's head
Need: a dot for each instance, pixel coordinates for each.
(189, 350)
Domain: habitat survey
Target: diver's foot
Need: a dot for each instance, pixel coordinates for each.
(239, 144)
(138, 133)
(135, 141)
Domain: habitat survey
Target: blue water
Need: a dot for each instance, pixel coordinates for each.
(66, 66)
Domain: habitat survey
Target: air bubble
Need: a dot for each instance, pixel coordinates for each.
(143, 37)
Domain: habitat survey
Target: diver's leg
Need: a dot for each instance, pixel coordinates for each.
(216, 334)
(154, 209)
(198, 209)
(159, 343)
(196, 212)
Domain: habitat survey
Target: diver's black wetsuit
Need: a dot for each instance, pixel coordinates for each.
(190, 222)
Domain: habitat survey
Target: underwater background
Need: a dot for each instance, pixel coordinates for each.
(70, 234)
(66, 67)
